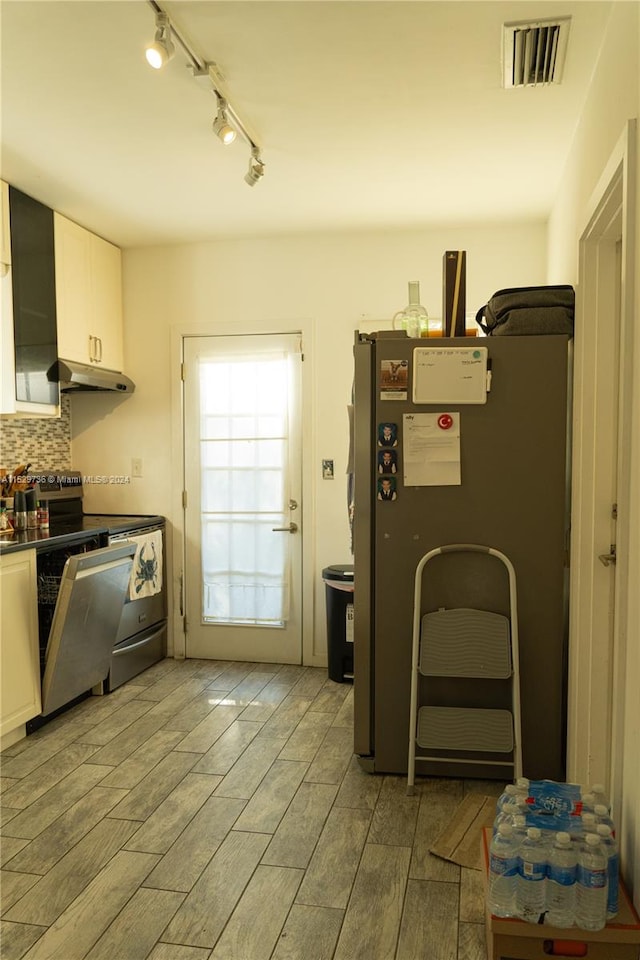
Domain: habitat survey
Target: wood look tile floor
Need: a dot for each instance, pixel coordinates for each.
(214, 811)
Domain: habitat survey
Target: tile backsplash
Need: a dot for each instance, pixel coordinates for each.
(44, 442)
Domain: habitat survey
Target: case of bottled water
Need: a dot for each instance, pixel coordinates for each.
(562, 816)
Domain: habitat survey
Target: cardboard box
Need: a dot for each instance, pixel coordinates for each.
(510, 939)
(454, 292)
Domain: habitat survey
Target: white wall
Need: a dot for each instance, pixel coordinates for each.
(340, 283)
(613, 99)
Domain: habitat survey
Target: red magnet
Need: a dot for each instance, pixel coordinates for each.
(445, 420)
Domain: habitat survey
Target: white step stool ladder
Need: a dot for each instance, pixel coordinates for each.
(464, 643)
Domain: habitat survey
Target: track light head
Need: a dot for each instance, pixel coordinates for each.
(221, 126)
(162, 49)
(256, 168)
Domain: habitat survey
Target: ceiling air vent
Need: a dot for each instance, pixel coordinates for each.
(534, 51)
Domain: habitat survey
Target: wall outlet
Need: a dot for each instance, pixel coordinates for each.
(136, 467)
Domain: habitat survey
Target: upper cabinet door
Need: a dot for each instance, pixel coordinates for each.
(107, 297)
(73, 289)
(89, 296)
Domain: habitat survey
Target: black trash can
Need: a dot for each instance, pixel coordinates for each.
(339, 591)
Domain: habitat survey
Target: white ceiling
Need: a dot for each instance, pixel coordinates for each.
(373, 114)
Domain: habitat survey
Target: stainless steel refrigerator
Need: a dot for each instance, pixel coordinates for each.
(457, 441)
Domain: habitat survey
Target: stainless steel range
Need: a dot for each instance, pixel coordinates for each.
(142, 635)
(75, 659)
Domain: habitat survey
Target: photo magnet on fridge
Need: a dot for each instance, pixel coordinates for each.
(387, 461)
(387, 488)
(387, 435)
(394, 376)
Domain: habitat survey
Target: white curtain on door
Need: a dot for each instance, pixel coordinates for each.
(244, 488)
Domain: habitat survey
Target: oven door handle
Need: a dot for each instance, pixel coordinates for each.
(132, 646)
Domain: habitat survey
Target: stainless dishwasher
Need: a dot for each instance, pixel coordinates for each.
(84, 591)
(93, 640)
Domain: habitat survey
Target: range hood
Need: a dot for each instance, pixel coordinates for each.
(73, 376)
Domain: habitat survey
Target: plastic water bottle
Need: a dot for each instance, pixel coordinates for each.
(507, 815)
(600, 795)
(589, 823)
(610, 845)
(508, 794)
(503, 872)
(561, 882)
(532, 870)
(519, 827)
(602, 816)
(591, 890)
(589, 801)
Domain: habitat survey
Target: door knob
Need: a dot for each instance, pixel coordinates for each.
(608, 558)
(291, 528)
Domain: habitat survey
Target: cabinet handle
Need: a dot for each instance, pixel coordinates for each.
(95, 349)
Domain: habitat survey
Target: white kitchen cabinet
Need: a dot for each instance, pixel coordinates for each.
(19, 656)
(88, 296)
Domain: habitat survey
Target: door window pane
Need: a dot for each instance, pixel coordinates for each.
(244, 488)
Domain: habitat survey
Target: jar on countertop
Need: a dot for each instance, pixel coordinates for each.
(5, 523)
(32, 508)
(9, 511)
(43, 514)
(20, 510)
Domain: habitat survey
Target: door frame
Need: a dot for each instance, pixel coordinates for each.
(596, 721)
(224, 329)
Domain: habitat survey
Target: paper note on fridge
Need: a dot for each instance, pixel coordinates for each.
(431, 449)
(450, 375)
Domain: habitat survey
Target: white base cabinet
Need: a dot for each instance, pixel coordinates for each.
(88, 296)
(20, 689)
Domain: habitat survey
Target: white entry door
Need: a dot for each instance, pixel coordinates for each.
(243, 487)
(600, 656)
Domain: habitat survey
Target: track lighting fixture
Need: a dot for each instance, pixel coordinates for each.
(221, 126)
(256, 168)
(162, 49)
(227, 124)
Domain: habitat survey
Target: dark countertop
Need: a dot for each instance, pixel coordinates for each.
(72, 531)
(56, 536)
